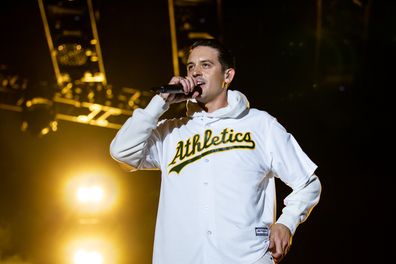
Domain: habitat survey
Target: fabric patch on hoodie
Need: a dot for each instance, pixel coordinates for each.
(261, 231)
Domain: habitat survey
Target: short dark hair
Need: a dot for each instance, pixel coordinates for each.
(226, 58)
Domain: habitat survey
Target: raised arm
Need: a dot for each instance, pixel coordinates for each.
(128, 144)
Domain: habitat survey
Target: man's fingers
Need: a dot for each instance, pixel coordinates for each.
(276, 254)
(191, 84)
(278, 250)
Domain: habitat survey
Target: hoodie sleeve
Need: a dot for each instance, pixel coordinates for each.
(134, 143)
(300, 202)
(294, 168)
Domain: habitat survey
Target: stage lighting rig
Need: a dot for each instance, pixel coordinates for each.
(83, 94)
(38, 110)
(191, 20)
(12, 87)
(73, 40)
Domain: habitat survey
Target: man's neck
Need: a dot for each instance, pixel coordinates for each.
(214, 105)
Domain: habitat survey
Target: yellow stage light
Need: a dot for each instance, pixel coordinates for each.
(83, 256)
(91, 193)
(90, 249)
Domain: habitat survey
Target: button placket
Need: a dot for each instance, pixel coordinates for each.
(206, 181)
(207, 198)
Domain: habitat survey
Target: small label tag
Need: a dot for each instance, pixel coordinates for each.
(261, 231)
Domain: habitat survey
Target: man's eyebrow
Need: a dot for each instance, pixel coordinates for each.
(202, 61)
(205, 61)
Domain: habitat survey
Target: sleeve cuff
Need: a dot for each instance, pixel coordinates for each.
(289, 222)
(156, 107)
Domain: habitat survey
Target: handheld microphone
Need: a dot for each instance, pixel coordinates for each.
(169, 88)
(172, 88)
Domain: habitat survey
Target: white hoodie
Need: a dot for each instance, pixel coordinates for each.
(217, 194)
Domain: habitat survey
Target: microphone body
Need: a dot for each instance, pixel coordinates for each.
(169, 88)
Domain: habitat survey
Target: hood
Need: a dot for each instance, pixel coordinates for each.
(237, 103)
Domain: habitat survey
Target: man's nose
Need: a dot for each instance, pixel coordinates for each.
(196, 72)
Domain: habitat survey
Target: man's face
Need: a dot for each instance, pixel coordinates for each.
(204, 66)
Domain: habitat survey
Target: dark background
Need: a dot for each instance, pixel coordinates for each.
(335, 100)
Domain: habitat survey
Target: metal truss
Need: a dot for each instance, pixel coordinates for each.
(82, 93)
(191, 20)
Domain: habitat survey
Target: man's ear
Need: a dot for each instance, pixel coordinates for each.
(229, 75)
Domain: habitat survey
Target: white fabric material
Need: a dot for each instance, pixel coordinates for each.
(266, 259)
(218, 179)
